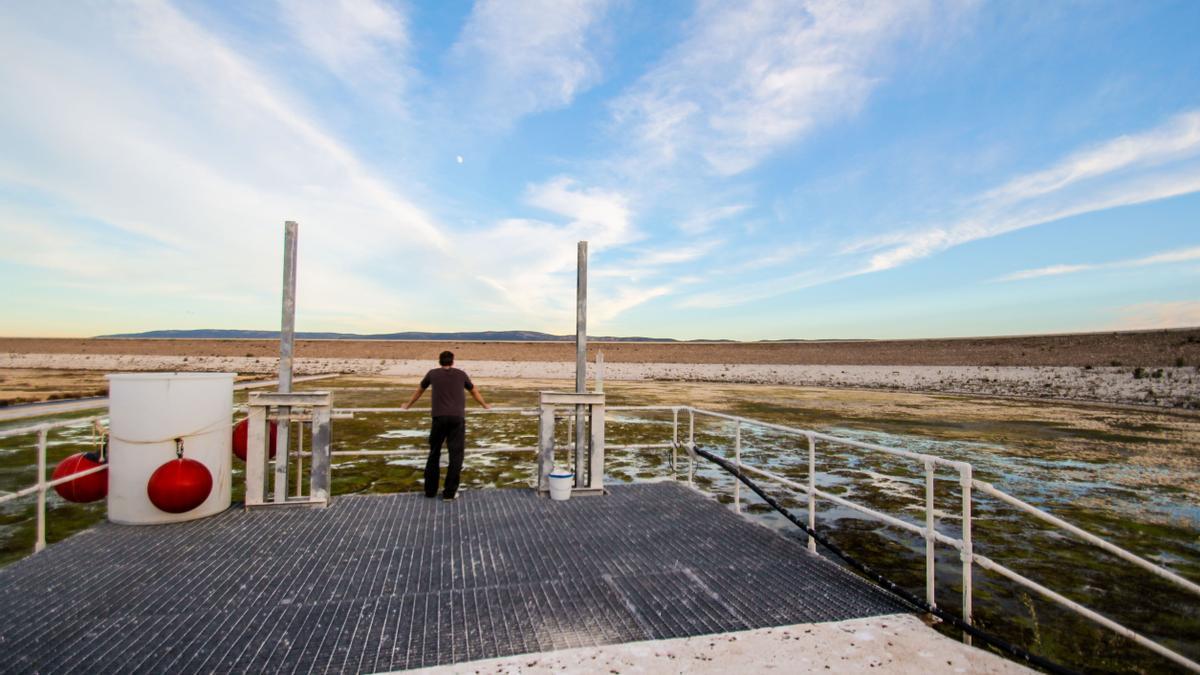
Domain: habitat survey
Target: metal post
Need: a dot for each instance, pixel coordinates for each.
(968, 557)
(580, 363)
(321, 482)
(930, 541)
(256, 454)
(40, 542)
(812, 491)
(737, 458)
(287, 343)
(545, 461)
(691, 447)
(299, 459)
(674, 441)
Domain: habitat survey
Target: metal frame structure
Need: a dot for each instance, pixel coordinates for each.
(311, 407)
(589, 457)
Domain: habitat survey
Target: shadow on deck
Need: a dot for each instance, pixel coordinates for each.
(382, 582)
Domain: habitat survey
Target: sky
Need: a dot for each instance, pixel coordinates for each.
(746, 170)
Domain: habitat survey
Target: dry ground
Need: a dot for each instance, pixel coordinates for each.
(1139, 348)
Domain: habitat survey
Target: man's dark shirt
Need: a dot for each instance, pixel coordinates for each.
(449, 387)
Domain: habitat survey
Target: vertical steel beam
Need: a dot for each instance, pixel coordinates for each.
(545, 463)
(812, 491)
(691, 447)
(968, 555)
(40, 542)
(299, 459)
(256, 455)
(737, 458)
(287, 343)
(321, 483)
(596, 450)
(674, 442)
(930, 541)
(581, 364)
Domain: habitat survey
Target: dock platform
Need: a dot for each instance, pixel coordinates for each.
(389, 582)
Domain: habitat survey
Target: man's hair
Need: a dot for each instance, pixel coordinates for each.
(446, 358)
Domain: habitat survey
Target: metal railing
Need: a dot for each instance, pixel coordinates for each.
(929, 532)
(42, 485)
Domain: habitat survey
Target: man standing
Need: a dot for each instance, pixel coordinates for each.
(449, 422)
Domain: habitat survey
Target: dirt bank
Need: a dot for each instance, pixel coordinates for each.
(1141, 348)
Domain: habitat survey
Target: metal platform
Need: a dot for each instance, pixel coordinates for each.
(386, 582)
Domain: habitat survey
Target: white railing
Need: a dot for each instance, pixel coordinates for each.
(42, 485)
(930, 533)
(928, 463)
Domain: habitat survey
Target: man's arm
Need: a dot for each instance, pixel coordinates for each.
(416, 395)
(478, 397)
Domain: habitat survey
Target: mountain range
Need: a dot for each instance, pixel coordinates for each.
(487, 335)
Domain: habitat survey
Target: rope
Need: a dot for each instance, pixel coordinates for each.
(215, 426)
(887, 584)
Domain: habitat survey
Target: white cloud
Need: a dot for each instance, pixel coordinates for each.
(1179, 314)
(1167, 257)
(1177, 139)
(1035, 199)
(527, 56)
(363, 42)
(705, 219)
(159, 130)
(531, 263)
(753, 77)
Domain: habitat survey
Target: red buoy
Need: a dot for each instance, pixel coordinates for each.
(85, 488)
(179, 486)
(240, 432)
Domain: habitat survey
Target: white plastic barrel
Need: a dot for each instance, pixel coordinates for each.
(147, 412)
(561, 481)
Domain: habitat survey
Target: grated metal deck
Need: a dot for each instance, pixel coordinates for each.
(384, 582)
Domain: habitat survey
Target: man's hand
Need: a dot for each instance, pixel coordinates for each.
(416, 395)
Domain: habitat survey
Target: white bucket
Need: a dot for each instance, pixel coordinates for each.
(561, 482)
(147, 412)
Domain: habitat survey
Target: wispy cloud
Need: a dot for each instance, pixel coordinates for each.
(705, 219)
(1169, 170)
(526, 56)
(157, 129)
(1166, 257)
(752, 78)
(1177, 139)
(363, 42)
(531, 262)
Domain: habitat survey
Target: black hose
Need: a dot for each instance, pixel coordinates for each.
(887, 584)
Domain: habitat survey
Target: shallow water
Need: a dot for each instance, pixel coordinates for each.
(1129, 476)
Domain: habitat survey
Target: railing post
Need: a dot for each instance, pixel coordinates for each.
(299, 459)
(40, 542)
(812, 491)
(321, 481)
(737, 458)
(691, 447)
(930, 541)
(968, 557)
(674, 441)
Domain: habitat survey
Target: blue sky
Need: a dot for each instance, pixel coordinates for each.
(741, 170)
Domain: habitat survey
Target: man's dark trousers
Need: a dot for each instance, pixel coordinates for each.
(453, 431)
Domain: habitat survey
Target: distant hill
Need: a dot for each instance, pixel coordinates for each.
(493, 335)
